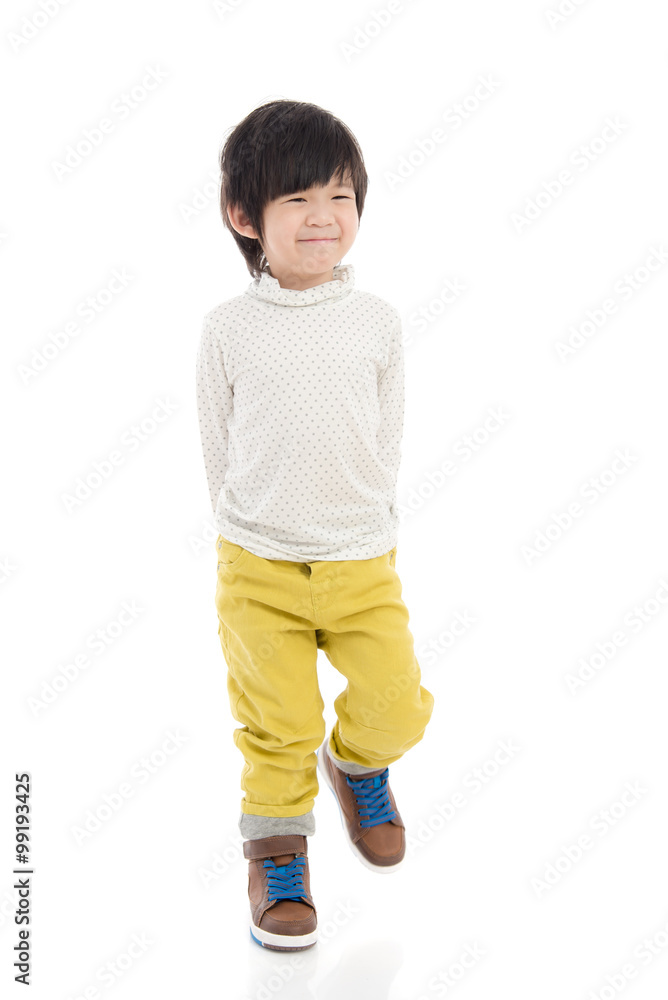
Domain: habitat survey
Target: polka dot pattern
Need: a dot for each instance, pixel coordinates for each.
(300, 400)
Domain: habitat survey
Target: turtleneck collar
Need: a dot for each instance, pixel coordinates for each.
(268, 289)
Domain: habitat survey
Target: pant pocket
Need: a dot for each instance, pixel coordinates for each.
(229, 553)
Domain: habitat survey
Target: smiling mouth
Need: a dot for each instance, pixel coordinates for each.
(331, 239)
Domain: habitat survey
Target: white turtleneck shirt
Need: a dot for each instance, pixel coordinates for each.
(300, 401)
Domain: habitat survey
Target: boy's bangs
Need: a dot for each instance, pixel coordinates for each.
(309, 164)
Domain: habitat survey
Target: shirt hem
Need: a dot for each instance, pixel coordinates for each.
(253, 544)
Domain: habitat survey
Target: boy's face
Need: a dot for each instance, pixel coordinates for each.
(307, 233)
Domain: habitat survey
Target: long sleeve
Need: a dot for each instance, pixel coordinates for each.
(214, 406)
(391, 400)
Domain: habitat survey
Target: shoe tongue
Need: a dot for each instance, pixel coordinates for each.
(282, 859)
(375, 776)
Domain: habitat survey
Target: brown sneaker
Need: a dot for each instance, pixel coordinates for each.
(369, 815)
(283, 914)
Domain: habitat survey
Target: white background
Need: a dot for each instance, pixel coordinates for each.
(143, 202)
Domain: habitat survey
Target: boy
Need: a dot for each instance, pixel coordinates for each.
(300, 401)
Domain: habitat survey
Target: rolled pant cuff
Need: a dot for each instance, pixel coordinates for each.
(254, 827)
(349, 766)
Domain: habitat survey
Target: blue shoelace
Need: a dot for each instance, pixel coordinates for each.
(286, 881)
(373, 798)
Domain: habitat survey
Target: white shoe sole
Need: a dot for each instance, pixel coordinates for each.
(322, 767)
(283, 942)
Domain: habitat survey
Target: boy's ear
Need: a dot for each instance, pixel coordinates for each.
(240, 221)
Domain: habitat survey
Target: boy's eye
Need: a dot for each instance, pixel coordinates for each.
(347, 196)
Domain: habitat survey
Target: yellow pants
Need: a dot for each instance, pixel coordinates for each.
(273, 616)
